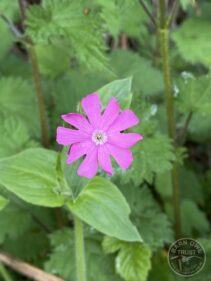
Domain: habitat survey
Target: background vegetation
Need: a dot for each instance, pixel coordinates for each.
(61, 50)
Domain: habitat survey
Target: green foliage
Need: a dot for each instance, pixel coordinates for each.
(3, 202)
(195, 94)
(14, 136)
(31, 175)
(153, 155)
(103, 198)
(120, 89)
(146, 79)
(13, 222)
(62, 262)
(133, 259)
(66, 22)
(192, 40)
(152, 223)
(17, 99)
(193, 219)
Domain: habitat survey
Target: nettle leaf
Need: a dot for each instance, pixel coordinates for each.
(13, 222)
(14, 136)
(17, 99)
(153, 155)
(32, 176)
(103, 206)
(192, 40)
(66, 21)
(98, 263)
(146, 79)
(133, 259)
(153, 225)
(199, 128)
(120, 89)
(193, 219)
(6, 44)
(195, 94)
(3, 202)
(123, 16)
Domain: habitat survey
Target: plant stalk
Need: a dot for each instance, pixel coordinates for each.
(79, 250)
(4, 273)
(37, 81)
(164, 39)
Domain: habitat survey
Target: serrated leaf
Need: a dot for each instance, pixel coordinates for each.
(14, 136)
(133, 259)
(153, 225)
(195, 94)
(192, 40)
(147, 80)
(98, 264)
(153, 155)
(13, 222)
(31, 175)
(17, 99)
(120, 89)
(102, 206)
(3, 202)
(193, 219)
(65, 21)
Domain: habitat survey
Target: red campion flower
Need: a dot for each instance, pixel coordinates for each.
(98, 135)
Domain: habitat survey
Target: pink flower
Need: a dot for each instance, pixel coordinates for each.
(99, 137)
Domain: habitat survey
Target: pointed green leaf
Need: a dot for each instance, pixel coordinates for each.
(32, 176)
(103, 206)
(120, 89)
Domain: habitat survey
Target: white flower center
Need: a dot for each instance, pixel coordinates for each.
(99, 137)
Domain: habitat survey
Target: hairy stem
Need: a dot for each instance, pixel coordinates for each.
(40, 96)
(79, 250)
(164, 39)
(4, 273)
(37, 81)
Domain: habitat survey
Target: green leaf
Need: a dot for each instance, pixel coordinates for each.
(3, 202)
(66, 22)
(98, 263)
(17, 98)
(192, 40)
(13, 222)
(151, 156)
(31, 175)
(14, 136)
(195, 94)
(153, 224)
(193, 219)
(102, 206)
(120, 89)
(147, 80)
(133, 259)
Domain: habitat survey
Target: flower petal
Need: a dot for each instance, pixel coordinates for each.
(110, 114)
(123, 156)
(67, 136)
(88, 167)
(77, 150)
(104, 159)
(124, 140)
(92, 108)
(77, 120)
(125, 120)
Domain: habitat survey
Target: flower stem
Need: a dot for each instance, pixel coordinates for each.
(4, 273)
(79, 250)
(164, 39)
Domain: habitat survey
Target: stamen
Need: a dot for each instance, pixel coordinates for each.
(99, 137)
